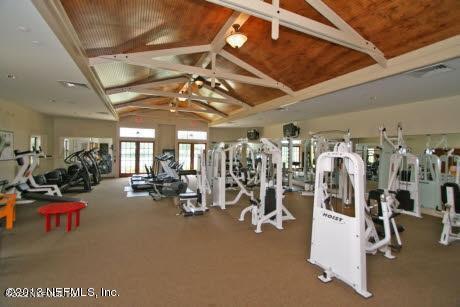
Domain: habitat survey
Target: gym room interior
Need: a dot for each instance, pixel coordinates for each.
(229, 153)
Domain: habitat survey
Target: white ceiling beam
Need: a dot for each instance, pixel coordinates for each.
(341, 24)
(144, 105)
(253, 70)
(146, 55)
(159, 93)
(210, 108)
(152, 116)
(155, 64)
(121, 89)
(303, 24)
(222, 93)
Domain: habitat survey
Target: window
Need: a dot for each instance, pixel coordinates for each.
(35, 142)
(188, 154)
(285, 154)
(66, 148)
(137, 133)
(192, 135)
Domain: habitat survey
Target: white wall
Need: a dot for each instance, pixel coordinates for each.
(25, 122)
(436, 116)
(229, 134)
(85, 128)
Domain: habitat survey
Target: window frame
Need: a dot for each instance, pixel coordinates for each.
(136, 136)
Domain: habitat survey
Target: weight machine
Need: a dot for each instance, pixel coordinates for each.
(269, 208)
(313, 148)
(340, 241)
(220, 175)
(399, 172)
(194, 203)
(451, 208)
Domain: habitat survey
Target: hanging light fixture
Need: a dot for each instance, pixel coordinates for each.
(236, 39)
(199, 81)
(182, 99)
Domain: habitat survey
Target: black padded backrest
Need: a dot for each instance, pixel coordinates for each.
(456, 190)
(405, 175)
(375, 195)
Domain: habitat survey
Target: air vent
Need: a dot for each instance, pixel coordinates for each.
(430, 70)
(70, 84)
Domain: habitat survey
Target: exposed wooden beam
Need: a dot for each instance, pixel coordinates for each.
(253, 70)
(142, 85)
(155, 64)
(210, 108)
(144, 105)
(152, 116)
(159, 93)
(146, 55)
(303, 24)
(222, 93)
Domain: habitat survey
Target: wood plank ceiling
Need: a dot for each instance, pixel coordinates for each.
(297, 60)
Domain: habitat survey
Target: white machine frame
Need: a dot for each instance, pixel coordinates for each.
(191, 205)
(340, 242)
(257, 209)
(219, 178)
(29, 161)
(450, 219)
(400, 157)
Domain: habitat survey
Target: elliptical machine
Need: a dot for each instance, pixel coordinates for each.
(76, 175)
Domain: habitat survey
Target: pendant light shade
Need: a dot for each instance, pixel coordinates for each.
(236, 39)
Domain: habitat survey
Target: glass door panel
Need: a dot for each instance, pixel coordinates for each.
(145, 155)
(127, 158)
(197, 149)
(185, 155)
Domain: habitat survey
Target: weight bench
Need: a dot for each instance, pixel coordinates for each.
(450, 196)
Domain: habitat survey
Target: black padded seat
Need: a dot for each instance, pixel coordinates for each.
(188, 195)
(185, 173)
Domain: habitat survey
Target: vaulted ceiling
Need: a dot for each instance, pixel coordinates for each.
(295, 60)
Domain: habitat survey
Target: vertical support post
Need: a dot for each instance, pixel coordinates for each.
(213, 67)
(276, 20)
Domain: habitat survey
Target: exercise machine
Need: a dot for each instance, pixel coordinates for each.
(195, 203)
(399, 172)
(451, 209)
(27, 162)
(430, 179)
(342, 238)
(76, 178)
(269, 208)
(220, 174)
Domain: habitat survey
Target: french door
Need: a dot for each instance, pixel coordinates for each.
(188, 154)
(134, 156)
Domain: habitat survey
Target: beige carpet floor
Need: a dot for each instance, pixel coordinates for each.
(154, 258)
